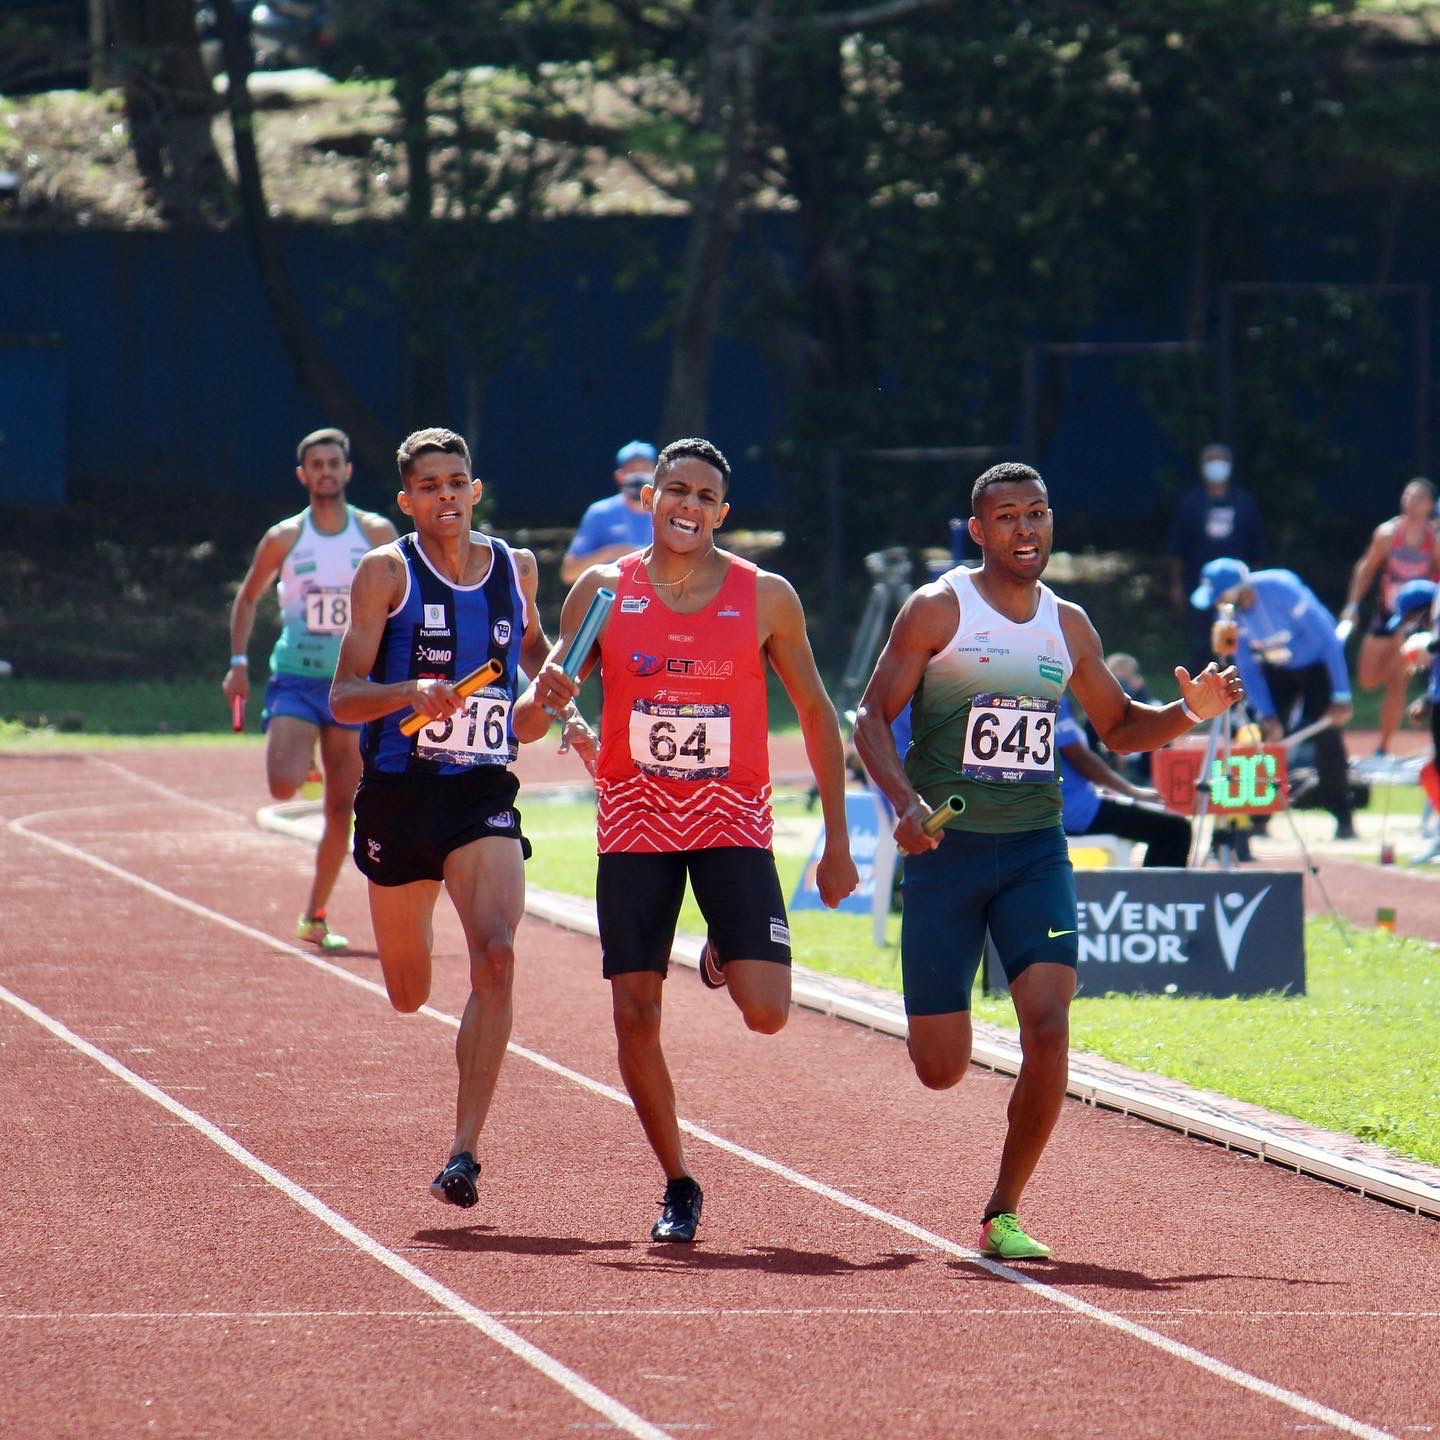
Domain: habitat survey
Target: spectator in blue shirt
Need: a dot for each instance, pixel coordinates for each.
(1214, 518)
(618, 524)
(1291, 661)
(1085, 811)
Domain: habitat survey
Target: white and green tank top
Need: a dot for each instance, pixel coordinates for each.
(982, 723)
(314, 594)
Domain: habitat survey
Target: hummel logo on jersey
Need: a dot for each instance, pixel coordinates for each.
(1056, 934)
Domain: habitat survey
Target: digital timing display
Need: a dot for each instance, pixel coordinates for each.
(1251, 780)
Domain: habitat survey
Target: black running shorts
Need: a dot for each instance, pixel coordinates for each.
(638, 896)
(405, 825)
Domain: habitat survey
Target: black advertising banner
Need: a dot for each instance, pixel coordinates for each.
(1186, 932)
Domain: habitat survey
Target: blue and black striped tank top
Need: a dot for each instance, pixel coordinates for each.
(443, 631)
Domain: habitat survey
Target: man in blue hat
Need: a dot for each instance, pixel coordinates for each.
(1290, 659)
(618, 524)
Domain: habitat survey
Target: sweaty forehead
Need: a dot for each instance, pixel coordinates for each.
(1012, 492)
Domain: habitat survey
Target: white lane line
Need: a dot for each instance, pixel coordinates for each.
(166, 791)
(551, 1368)
(711, 1312)
(1174, 1348)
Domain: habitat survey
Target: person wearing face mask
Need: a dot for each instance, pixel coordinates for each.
(618, 524)
(1214, 518)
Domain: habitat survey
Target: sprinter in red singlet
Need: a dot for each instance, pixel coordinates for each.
(683, 779)
(1405, 547)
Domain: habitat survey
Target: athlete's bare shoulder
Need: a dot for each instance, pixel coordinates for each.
(286, 531)
(1079, 631)
(377, 529)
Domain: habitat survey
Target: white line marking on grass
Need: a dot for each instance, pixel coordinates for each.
(552, 1369)
(1174, 1348)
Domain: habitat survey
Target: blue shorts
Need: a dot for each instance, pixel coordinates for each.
(1020, 887)
(301, 697)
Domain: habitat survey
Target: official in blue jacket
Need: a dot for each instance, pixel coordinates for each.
(1292, 664)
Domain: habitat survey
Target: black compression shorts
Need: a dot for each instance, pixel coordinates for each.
(405, 825)
(638, 896)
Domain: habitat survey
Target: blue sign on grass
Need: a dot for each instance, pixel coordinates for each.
(862, 817)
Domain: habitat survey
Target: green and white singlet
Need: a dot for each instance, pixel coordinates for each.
(314, 595)
(982, 723)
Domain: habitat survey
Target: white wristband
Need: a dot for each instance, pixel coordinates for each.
(1190, 715)
(239, 659)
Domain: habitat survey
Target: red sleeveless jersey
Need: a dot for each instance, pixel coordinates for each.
(1407, 562)
(685, 742)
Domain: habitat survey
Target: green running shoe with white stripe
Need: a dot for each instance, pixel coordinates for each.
(1002, 1237)
(317, 932)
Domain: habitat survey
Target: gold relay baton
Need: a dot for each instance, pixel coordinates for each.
(936, 820)
(465, 687)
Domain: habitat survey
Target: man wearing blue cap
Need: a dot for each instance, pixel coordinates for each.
(618, 524)
(1287, 652)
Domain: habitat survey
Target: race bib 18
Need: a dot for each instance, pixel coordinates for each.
(327, 611)
(681, 742)
(1010, 738)
(476, 734)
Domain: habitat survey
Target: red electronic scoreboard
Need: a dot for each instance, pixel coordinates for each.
(1251, 780)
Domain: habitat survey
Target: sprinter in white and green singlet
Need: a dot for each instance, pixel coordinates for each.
(310, 558)
(983, 656)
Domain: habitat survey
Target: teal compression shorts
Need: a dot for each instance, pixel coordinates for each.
(1019, 886)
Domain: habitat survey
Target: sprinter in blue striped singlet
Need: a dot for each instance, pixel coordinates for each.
(438, 807)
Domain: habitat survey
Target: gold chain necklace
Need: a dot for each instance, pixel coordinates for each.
(668, 584)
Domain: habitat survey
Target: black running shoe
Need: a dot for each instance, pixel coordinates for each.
(710, 969)
(679, 1211)
(455, 1184)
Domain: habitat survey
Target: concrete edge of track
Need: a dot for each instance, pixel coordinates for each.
(1237, 1126)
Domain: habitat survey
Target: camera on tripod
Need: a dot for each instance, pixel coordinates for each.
(1225, 634)
(889, 567)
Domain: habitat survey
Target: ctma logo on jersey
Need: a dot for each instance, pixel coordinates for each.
(1195, 932)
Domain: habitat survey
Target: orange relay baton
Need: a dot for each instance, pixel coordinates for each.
(465, 687)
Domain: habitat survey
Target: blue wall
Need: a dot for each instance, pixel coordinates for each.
(174, 376)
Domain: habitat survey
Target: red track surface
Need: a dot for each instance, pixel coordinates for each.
(152, 1282)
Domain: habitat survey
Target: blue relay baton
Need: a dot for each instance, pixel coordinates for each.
(600, 605)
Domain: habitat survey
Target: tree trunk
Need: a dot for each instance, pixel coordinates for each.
(371, 444)
(727, 112)
(169, 103)
(427, 391)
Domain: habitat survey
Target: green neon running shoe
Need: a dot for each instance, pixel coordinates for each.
(1002, 1237)
(318, 932)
